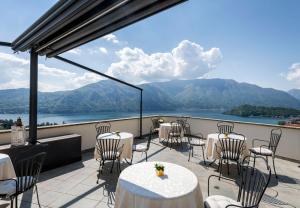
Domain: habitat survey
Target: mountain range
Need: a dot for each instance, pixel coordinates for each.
(295, 93)
(107, 95)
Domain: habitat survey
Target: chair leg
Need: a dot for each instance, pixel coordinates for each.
(221, 165)
(203, 155)
(190, 153)
(16, 200)
(146, 157)
(228, 167)
(267, 161)
(37, 195)
(11, 202)
(273, 158)
(238, 167)
(112, 166)
(254, 160)
(131, 158)
(119, 165)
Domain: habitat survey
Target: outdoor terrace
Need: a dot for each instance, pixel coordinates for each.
(75, 185)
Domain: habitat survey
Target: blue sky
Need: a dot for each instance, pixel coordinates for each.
(250, 41)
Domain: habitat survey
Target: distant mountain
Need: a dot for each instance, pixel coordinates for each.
(160, 96)
(295, 93)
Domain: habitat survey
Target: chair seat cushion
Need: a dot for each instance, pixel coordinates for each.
(197, 142)
(176, 134)
(230, 155)
(110, 154)
(261, 151)
(139, 148)
(7, 188)
(218, 201)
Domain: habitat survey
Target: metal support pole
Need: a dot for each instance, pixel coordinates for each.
(141, 115)
(33, 97)
(7, 44)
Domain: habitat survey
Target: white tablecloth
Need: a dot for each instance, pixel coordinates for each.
(6, 167)
(213, 139)
(126, 139)
(164, 130)
(139, 187)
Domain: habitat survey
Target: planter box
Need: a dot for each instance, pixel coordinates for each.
(61, 150)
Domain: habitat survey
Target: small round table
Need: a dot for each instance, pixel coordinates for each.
(125, 138)
(138, 186)
(7, 170)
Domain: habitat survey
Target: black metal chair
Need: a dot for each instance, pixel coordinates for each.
(231, 149)
(143, 148)
(252, 186)
(194, 141)
(109, 150)
(225, 127)
(182, 122)
(27, 171)
(103, 127)
(155, 125)
(175, 134)
(268, 150)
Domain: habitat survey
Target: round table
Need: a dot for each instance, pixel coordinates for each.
(164, 130)
(213, 140)
(138, 186)
(7, 170)
(126, 139)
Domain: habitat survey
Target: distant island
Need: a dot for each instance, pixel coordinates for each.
(8, 123)
(262, 111)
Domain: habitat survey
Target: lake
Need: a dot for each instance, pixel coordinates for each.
(75, 118)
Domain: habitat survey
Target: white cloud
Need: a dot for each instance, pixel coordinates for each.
(86, 78)
(10, 58)
(14, 72)
(51, 71)
(103, 50)
(76, 51)
(187, 61)
(294, 73)
(111, 38)
(14, 83)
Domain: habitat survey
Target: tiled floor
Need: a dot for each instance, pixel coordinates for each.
(75, 185)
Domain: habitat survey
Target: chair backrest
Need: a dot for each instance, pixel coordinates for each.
(253, 185)
(102, 127)
(155, 123)
(192, 139)
(108, 148)
(231, 148)
(28, 170)
(175, 127)
(187, 129)
(182, 122)
(225, 127)
(274, 139)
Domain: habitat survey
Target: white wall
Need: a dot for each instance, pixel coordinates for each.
(289, 145)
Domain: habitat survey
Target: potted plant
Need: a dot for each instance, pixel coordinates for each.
(159, 168)
(160, 120)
